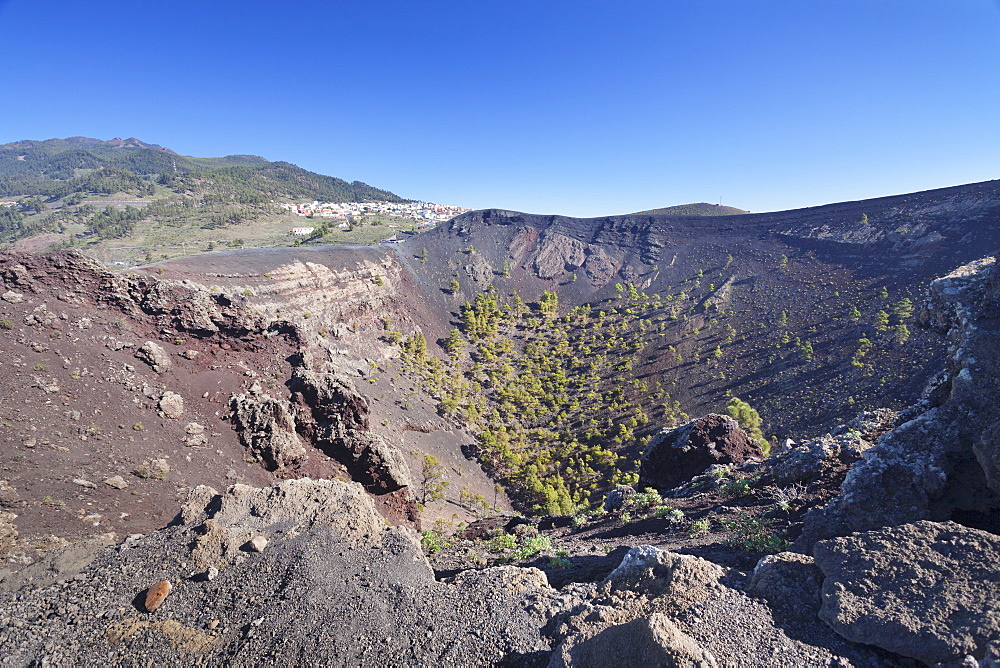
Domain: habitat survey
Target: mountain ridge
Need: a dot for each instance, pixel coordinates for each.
(694, 209)
(34, 166)
(101, 195)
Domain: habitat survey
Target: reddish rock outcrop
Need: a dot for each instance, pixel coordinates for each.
(676, 455)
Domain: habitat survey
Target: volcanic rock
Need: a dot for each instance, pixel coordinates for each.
(617, 497)
(8, 533)
(266, 427)
(646, 641)
(116, 481)
(194, 434)
(155, 356)
(229, 520)
(378, 465)
(806, 462)
(257, 543)
(674, 456)
(927, 590)
(59, 563)
(680, 580)
(558, 254)
(788, 579)
(155, 596)
(335, 585)
(171, 405)
(8, 494)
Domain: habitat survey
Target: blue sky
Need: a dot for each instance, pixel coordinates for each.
(579, 108)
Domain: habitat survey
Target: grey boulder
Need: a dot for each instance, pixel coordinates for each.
(927, 590)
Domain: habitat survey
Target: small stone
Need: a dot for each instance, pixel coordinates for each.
(13, 297)
(84, 483)
(211, 573)
(195, 434)
(153, 354)
(188, 354)
(8, 495)
(212, 625)
(155, 596)
(257, 544)
(116, 481)
(171, 405)
(159, 468)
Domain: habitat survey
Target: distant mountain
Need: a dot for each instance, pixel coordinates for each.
(698, 209)
(57, 168)
(117, 142)
(80, 191)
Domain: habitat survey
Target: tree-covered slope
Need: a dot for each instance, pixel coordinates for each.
(101, 195)
(53, 168)
(604, 330)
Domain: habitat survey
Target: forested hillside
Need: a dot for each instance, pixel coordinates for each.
(88, 190)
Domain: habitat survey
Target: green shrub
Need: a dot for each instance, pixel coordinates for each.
(531, 547)
(698, 528)
(755, 534)
(648, 498)
(669, 513)
(502, 543)
(736, 488)
(561, 560)
(432, 541)
(432, 483)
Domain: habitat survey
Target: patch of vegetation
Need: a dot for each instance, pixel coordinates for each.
(502, 543)
(736, 488)
(755, 534)
(531, 547)
(749, 419)
(433, 541)
(698, 528)
(432, 482)
(561, 560)
(53, 503)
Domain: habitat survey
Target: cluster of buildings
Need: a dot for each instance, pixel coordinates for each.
(8, 205)
(423, 213)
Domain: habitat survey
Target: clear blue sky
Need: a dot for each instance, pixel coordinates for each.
(580, 108)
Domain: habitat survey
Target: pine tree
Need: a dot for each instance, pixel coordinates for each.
(432, 482)
(748, 418)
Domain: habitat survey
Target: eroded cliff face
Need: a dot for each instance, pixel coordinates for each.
(340, 312)
(345, 397)
(910, 224)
